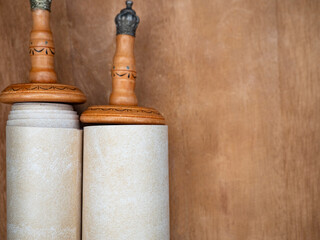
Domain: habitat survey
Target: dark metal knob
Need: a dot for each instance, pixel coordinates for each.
(41, 4)
(127, 20)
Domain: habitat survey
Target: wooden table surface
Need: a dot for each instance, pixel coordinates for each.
(238, 82)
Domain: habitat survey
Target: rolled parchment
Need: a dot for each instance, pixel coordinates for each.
(44, 145)
(44, 155)
(125, 182)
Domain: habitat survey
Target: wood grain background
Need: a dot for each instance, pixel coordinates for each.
(238, 82)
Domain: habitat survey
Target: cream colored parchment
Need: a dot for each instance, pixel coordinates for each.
(125, 184)
(43, 168)
(43, 183)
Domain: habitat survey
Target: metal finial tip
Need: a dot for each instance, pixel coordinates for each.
(127, 20)
(129, 4)
(41, 4)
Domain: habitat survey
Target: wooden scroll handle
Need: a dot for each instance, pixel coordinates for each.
(43, 86)
(124, 67)
(123, 100)
(41, 48)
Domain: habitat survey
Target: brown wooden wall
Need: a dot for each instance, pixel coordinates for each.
(239, 84)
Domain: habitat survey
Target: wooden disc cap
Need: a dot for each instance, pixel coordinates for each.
(123, 107)
(43, 86)
(116, 114)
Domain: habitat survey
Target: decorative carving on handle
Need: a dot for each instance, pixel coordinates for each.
(127, 20)
(123, 74)
(123, 108)
(43, 86)
(41, 48)
(42, 51)
(41, 4)
(124, 66)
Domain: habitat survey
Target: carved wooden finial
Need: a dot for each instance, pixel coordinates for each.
(123, 107)
(41, 49)
(43, 86)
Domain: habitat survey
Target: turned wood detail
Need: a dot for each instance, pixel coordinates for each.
(124, 73)
(41, 49)
(43, 86)
(124, 66)
(123, 107)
